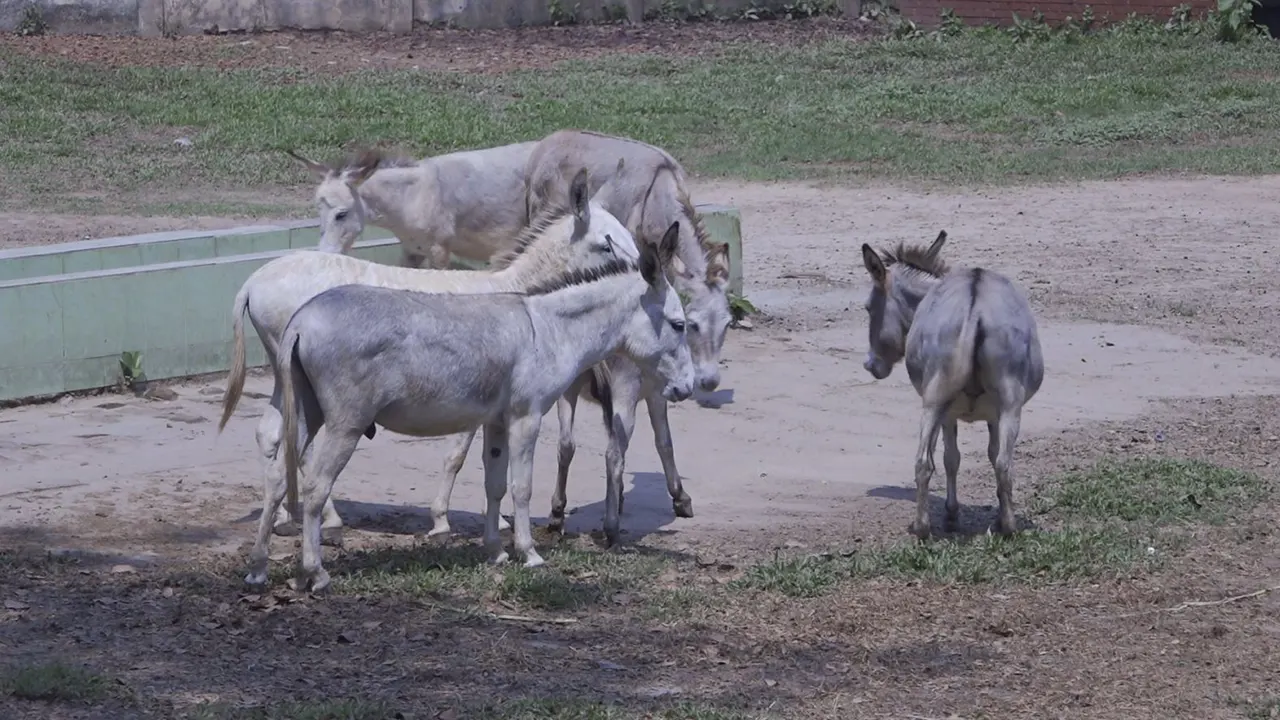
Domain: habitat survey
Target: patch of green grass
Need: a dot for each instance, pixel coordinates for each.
(1027, 557)
(54, 682)
(1117, 517)
(1152, 490)
(315, 710)
(571, 580)
(1265, 709)
(977, 107)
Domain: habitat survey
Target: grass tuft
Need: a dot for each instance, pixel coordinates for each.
(572, 579)
(1160, 491)
(1031, 556)
(55, 682)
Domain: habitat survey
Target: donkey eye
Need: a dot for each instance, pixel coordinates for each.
(677, 325)
(692, 326)
(340, 215)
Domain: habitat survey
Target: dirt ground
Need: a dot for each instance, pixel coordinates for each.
(1155, 342)
(1158, 315)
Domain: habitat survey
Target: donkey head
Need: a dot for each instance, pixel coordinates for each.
(707, 307)
(596, 232)
(656, 338)
(899, 281)
(338, 200)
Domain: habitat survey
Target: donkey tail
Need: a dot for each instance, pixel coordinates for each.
(289, 411)
(962, 363)
(235, 376)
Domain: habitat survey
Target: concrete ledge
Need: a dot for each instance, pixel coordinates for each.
(70, 310)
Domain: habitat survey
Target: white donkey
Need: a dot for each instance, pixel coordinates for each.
(469, 203)
(430, 365)
(647, 189)
(582, 235)
(972, 352)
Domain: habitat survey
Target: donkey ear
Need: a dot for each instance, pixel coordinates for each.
(718, 265)
(875, 265)
(936, 247)
(319, 169)
(361, 172)
(650, 263)
(667, 246)
(579, 197)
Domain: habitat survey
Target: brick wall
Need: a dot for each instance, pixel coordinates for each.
(1000, 12)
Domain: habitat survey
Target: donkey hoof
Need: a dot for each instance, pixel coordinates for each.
(610, 537)
(922, 531)
(257, 579)
(287, 529)
(439, 528)
(331, 537)
(499, 559)
(532, 559)
(683, 506)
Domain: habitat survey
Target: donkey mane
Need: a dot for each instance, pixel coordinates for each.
(709, 248)
(583, 276)
(536, 228)
(363, 157)
(916, 257)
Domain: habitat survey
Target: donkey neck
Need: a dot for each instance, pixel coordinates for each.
(392, 195)
(912, 286)
(543, 257)
(580, 325)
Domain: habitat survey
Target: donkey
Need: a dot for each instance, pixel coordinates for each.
(648, 190)
(469, 203)
(972, 352)
(431, 365)
(581, 235)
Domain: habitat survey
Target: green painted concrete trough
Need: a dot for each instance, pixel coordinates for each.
(70, 311)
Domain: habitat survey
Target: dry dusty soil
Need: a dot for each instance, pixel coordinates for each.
(1157, 307)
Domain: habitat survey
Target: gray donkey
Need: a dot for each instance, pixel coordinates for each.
(427, 365)
(972, 352)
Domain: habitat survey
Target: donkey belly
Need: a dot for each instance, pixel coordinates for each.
(434, 419)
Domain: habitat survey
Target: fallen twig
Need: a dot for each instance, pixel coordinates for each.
(525, 618)
(1201, 603)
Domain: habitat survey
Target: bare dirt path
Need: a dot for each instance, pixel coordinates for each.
(802, 438)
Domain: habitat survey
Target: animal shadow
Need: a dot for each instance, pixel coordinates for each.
(973, 520)
(646, 510)
(713, 400)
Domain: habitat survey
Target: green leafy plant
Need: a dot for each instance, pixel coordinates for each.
(740, 308)
(560, 16)
(31, 22)
(1233, 21)
(950, 24)
(1034, 28)
(131, 372)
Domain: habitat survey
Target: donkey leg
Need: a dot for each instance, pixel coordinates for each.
(495, 486)
(410, 259)
(438, 257)
(522, 439)
(930, 424)
(951, 462)
(615, 460)
(452, 465)
(1007, 434)
(680, 500)
(273, 491)
(566, 410)
(328, 455)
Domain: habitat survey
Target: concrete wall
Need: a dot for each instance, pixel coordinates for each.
(159, 17)
(68, 311)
